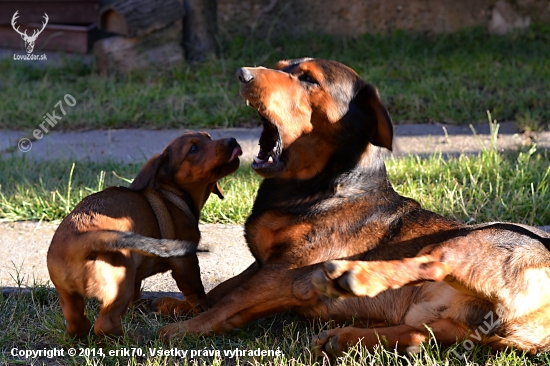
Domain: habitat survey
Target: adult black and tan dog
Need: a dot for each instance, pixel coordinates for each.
(327, 221)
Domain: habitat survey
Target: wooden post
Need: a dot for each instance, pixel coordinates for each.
(200, 29)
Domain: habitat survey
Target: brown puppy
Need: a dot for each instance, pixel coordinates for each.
(115, 238)
(326, 196)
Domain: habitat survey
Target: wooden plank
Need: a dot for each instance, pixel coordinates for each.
(74, 12)
(55, 37)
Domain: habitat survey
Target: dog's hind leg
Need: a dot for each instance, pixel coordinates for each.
(72, 305)
(115, 283)
(109, 322)
(520, 270)
(404, 338)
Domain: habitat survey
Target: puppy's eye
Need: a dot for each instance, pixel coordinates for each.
(194, 149)
(308, 79)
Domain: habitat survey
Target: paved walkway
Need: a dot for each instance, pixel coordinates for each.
(131, 145)
(24, 244)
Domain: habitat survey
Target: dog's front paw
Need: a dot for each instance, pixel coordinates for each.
(174, 307)
(326, 286)
(348, 278)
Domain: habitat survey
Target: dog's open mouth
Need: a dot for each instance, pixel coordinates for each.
(271, 147)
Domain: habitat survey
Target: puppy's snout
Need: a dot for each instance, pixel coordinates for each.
(244, 75)
(233, 146)
(231, 142)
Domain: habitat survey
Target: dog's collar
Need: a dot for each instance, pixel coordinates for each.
(179, 203)
(164, 219)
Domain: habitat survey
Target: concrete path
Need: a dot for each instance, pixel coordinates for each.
(24, 244)
(131, 145)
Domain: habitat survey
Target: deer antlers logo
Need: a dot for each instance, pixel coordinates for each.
(29, 40)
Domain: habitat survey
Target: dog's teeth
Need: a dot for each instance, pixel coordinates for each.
(247, 102)
(270, 159)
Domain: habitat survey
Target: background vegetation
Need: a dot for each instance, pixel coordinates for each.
(450, 78)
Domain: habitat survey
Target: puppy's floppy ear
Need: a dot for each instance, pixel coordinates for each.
(369, 101)
(217, 190)
(147, 174)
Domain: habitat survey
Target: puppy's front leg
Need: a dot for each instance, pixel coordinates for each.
(186, 272)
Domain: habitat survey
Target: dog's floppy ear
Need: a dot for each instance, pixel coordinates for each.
(282, 64)
(146, 174)
(217, 190)
(369, 101)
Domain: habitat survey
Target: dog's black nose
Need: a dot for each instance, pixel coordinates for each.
(244, 75)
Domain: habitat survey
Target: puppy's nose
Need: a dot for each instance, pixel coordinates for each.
(231, 142)
(244, 75)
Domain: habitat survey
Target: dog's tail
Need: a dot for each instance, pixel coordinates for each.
(110, 240)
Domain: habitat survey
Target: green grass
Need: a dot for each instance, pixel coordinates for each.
(36, 323)
(49, 190)
(489, 186)
(448, 78)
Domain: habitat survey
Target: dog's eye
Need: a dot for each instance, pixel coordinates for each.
(308, 79)
(194, 149)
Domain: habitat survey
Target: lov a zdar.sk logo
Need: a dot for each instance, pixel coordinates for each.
(29, 40)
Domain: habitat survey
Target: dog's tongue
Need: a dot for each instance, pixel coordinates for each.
(237, 152)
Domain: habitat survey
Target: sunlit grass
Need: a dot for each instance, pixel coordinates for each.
(489, 186)
(36, 323)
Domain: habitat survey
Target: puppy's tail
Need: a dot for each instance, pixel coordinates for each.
(110, 240)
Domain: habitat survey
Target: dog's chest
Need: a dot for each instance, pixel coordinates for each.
(272, 236)
(275, 237)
